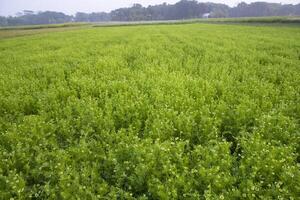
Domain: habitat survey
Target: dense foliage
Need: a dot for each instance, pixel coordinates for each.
(187, 9)
(31, 18)
(184, 9)
(151, 112)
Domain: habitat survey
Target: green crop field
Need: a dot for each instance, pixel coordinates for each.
(186, 111)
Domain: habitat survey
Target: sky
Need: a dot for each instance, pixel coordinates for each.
(11, 7)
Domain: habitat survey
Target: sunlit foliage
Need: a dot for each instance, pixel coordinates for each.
(151, 112)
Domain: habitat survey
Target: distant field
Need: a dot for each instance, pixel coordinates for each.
(12, 31)
(43, 26)
(246, 20)
(188, 111)
(9, 32)
(282, 20)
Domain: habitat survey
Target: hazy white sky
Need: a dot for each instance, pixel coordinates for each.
(10, 7)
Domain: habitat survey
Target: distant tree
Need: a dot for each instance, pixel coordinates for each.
(285, 10)
(297, 9)
(3, 21)
(184, 9)
(97, 17)
(137, 6)
(258, 9)
(28, 12)
(14, 21)
(218, 14)
(81, 17)
(218, 10)
(47, 17)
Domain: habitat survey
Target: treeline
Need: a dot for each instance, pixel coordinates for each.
(31, 18)
(184, 9)
(261, 9)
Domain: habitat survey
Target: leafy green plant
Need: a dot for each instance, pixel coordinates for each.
(193, 111)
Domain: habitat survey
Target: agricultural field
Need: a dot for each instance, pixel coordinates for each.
(183, 111)
(16, 31)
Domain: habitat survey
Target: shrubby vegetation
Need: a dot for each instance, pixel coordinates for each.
(184, 9)
(151, 112)
(31, 18)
